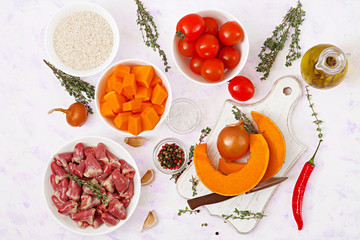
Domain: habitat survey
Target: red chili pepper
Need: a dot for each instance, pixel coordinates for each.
(300, 187)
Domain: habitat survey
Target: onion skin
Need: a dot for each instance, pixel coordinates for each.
(76, 114)
(233, 141)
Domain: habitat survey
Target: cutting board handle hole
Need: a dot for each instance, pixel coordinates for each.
(287, 91)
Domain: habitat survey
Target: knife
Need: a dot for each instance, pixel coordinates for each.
(215, 198)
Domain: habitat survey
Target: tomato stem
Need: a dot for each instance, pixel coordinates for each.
(180, 34)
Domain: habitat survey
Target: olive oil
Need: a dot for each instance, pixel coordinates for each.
(323, 66)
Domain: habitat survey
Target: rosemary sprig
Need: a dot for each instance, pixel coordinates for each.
(317, 121)
(243, 215)
(194, 183)
(274, 44)
(204, 133)
(149, 31)
(95, 188)
(187, 210)
(249, 127)
(75, 86)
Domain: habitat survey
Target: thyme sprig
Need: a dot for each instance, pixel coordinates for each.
(243, 215)
(317, 121)
(194, 183)
(95, 188)
(204, 133)
(149, 31)
(238, 114)
(82, 91)
(187, 210)
(274, 44)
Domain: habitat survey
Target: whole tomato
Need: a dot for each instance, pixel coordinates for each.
(186, 47)
(241, 88)
(212, 70)
(195, 64)
(191, 25)
(211, 25)
(231, 33)
(207, 46)
(230, 56)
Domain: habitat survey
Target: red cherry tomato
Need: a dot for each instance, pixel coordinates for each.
(231, 33)
(195, 64)
(230, 56)
(212, 70)
(241, 88)
(211, 25)
(187, 48)
(207, 46)
(191, 25)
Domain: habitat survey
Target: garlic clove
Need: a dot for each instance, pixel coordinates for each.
(148, 177)
(135, 141)
(150, 221)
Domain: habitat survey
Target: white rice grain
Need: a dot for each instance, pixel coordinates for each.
(83, 40)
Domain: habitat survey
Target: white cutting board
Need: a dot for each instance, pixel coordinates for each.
(277, 105)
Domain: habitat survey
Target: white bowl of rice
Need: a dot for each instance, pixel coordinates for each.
(82, 39)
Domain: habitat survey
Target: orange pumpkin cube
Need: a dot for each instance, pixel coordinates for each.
(134, 124)
(159, 94)
(105, 110)
(156, 80)
(149, 119)
(143, 75)
(121, 70)
(129, 85)
(159, 109)
(115, 100)
(132, 105)
(143, 93)
(118, 86)
(121, 120)
(143, 106)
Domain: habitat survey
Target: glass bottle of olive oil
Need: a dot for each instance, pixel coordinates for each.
(323, 66)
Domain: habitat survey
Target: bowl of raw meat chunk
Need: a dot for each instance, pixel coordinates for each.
(92, 185)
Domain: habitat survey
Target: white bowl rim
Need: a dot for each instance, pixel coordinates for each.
(243, 54)
(143, 62)
(136, 178)
(71, 8)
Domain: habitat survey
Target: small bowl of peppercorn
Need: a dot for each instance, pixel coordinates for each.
(170, 155)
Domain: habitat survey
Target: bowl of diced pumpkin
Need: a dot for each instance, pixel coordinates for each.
(133, 96)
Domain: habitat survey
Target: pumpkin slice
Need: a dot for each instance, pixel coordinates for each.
(238, 182)
(275, 140)
(229, 167)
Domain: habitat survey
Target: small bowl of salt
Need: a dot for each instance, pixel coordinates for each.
(82, 39)
(184, 116)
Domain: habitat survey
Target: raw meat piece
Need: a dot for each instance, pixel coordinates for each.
(56, 169)
(72, 167)
(114, 162)
(74, 191)
(88, 202)
(83, 225)
(106, 172)
(117, 209)
(63, 188)
(89, 150)
(84, 216)
(54, 185)
(121, 182)
(101, 208)
(78, 153)
(92, 167)
(62, 159)
(97, 222)
(116, 195)
(126, 169)
(108, 184)
(69, 207)
(58, 204)
(126, 202)
(79, 170)
(88, 190)
(129, 193)
(100, 153)
(109, 219)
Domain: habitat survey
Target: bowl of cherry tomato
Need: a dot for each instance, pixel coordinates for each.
(210, 47)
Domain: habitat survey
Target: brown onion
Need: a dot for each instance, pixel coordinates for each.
(233, 141)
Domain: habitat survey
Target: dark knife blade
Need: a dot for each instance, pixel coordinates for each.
(216, 198)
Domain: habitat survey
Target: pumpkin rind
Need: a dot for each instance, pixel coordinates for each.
(275, 140)
(238, 182)
(229, 167)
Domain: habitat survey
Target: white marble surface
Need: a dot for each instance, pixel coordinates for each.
(29, 136)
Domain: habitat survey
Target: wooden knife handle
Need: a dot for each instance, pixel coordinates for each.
(206, 199)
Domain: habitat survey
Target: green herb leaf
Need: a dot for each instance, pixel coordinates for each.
(243, 215)
(194, 183)
(95, 188)
(249, 127)
(187, 210)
